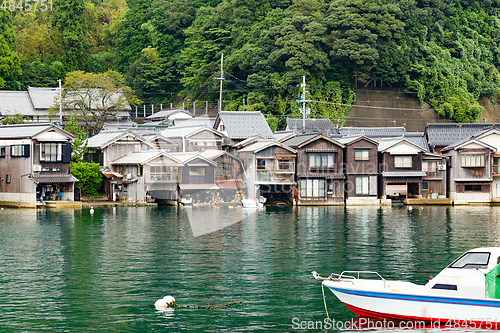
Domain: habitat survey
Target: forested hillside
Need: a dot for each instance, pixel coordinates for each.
(447, 52)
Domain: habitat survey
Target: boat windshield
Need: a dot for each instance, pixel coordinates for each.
(472, 260)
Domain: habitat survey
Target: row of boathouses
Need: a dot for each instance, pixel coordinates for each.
(176, 156)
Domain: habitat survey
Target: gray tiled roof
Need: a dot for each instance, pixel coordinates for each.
(245, 124)
(103, 138)
(166, 113)
(200, 121)
(12, 102)
(444, 134)
(43, 98)
(299, 139)
(324, 126)
(322, 175)
(403, 174)
(22, 130)
(48, 179)
(372, 131)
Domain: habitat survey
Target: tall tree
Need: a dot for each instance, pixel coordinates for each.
(95, 97)
(9, 60)
(69, 20)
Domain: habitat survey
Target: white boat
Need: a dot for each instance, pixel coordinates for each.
(186, 201)
(252, 203)
(465, 292)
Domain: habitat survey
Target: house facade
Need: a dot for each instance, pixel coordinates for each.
(35, 165)
(361, 170)
(270, 169)
(319, 171)
(470, 171)
(400, 169)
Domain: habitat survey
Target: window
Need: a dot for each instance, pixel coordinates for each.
(2, 151)
(197, 171)
(7, 178)
(160, 172)
(362, 185)
(284, 166)
(312, 188)
(362, 155)
(425, 185)
(125, 187)
(321, 161)
(472, 160)
(20, 150)
(496, 165)
(261, 164)
(224, 169)
(429, 166)
(474, 188)
(402, 161)
(51, 152)
(472, 260)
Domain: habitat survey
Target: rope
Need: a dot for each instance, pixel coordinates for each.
(210, 307)
(324, 300)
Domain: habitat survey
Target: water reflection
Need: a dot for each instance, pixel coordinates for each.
(71, 271)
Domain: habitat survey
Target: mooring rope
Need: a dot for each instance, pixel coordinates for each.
(209, 307)
(324, 300)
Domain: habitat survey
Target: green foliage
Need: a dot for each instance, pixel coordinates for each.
(9, 60)
(12, 119)
(79, 143)
(331, 101)
(89, 177)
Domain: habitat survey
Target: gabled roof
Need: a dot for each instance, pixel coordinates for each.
(444, 134)
(28, 130)
(213, 154)
(168, 113)
(43, 98)
(349, 140)
(186, 158)
(158, 136)
(324, 126)
(177, 132)
(244, 124)
(261, 145)
(105, 138)
(282, 136)
(486, 132)
(13, 102)
(466, 142)
(301, 140)
(145, 156)
(372, 131)
(198, 121)
(248, 141)
(385, 145)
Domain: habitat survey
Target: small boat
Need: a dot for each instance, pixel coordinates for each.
(187, 201)
(252, 203)
(466, 292)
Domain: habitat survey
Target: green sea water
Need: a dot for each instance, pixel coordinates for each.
(72, 271)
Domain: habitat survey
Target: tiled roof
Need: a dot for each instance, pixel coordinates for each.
(245, 124)
(177, 132)
(22, 130)
(166, 113)
(417, 138)
(299, 139)
(102, 139)
(200, 121)
(198, 187)
(48, 179)
(444, 134)
(44, 98)
(324, 126)
(322, 175)
(403, 174)
(260, 145)
(13, 102)
(372, 131)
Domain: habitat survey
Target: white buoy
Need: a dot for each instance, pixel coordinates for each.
(91, 210)
(165, 302)
(410, 208)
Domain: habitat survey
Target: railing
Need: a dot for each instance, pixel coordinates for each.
(164, 177)
(343, 275)
(265, 176)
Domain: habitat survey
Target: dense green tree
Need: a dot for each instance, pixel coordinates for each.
(69, 20)
(9, 60)
(79, 143)
(12, 119)
(89, 177)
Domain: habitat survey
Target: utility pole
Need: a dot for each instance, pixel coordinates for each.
(303, 85)
(221, 78)
(60, 103)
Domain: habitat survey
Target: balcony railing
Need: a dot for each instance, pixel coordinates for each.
(165, 177)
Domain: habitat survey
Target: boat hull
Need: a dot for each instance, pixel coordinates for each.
(401, 306)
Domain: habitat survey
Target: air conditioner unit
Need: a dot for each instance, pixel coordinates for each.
(441, 167)
(37, 167)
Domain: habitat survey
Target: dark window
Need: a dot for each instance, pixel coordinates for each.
(7, 178)
(425, 185)
(475, 188)
(444, 286)
(2, 151)
(51, 152)
(20, 150)
(261, 164)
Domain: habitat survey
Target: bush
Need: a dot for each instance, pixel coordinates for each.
(89, 176)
